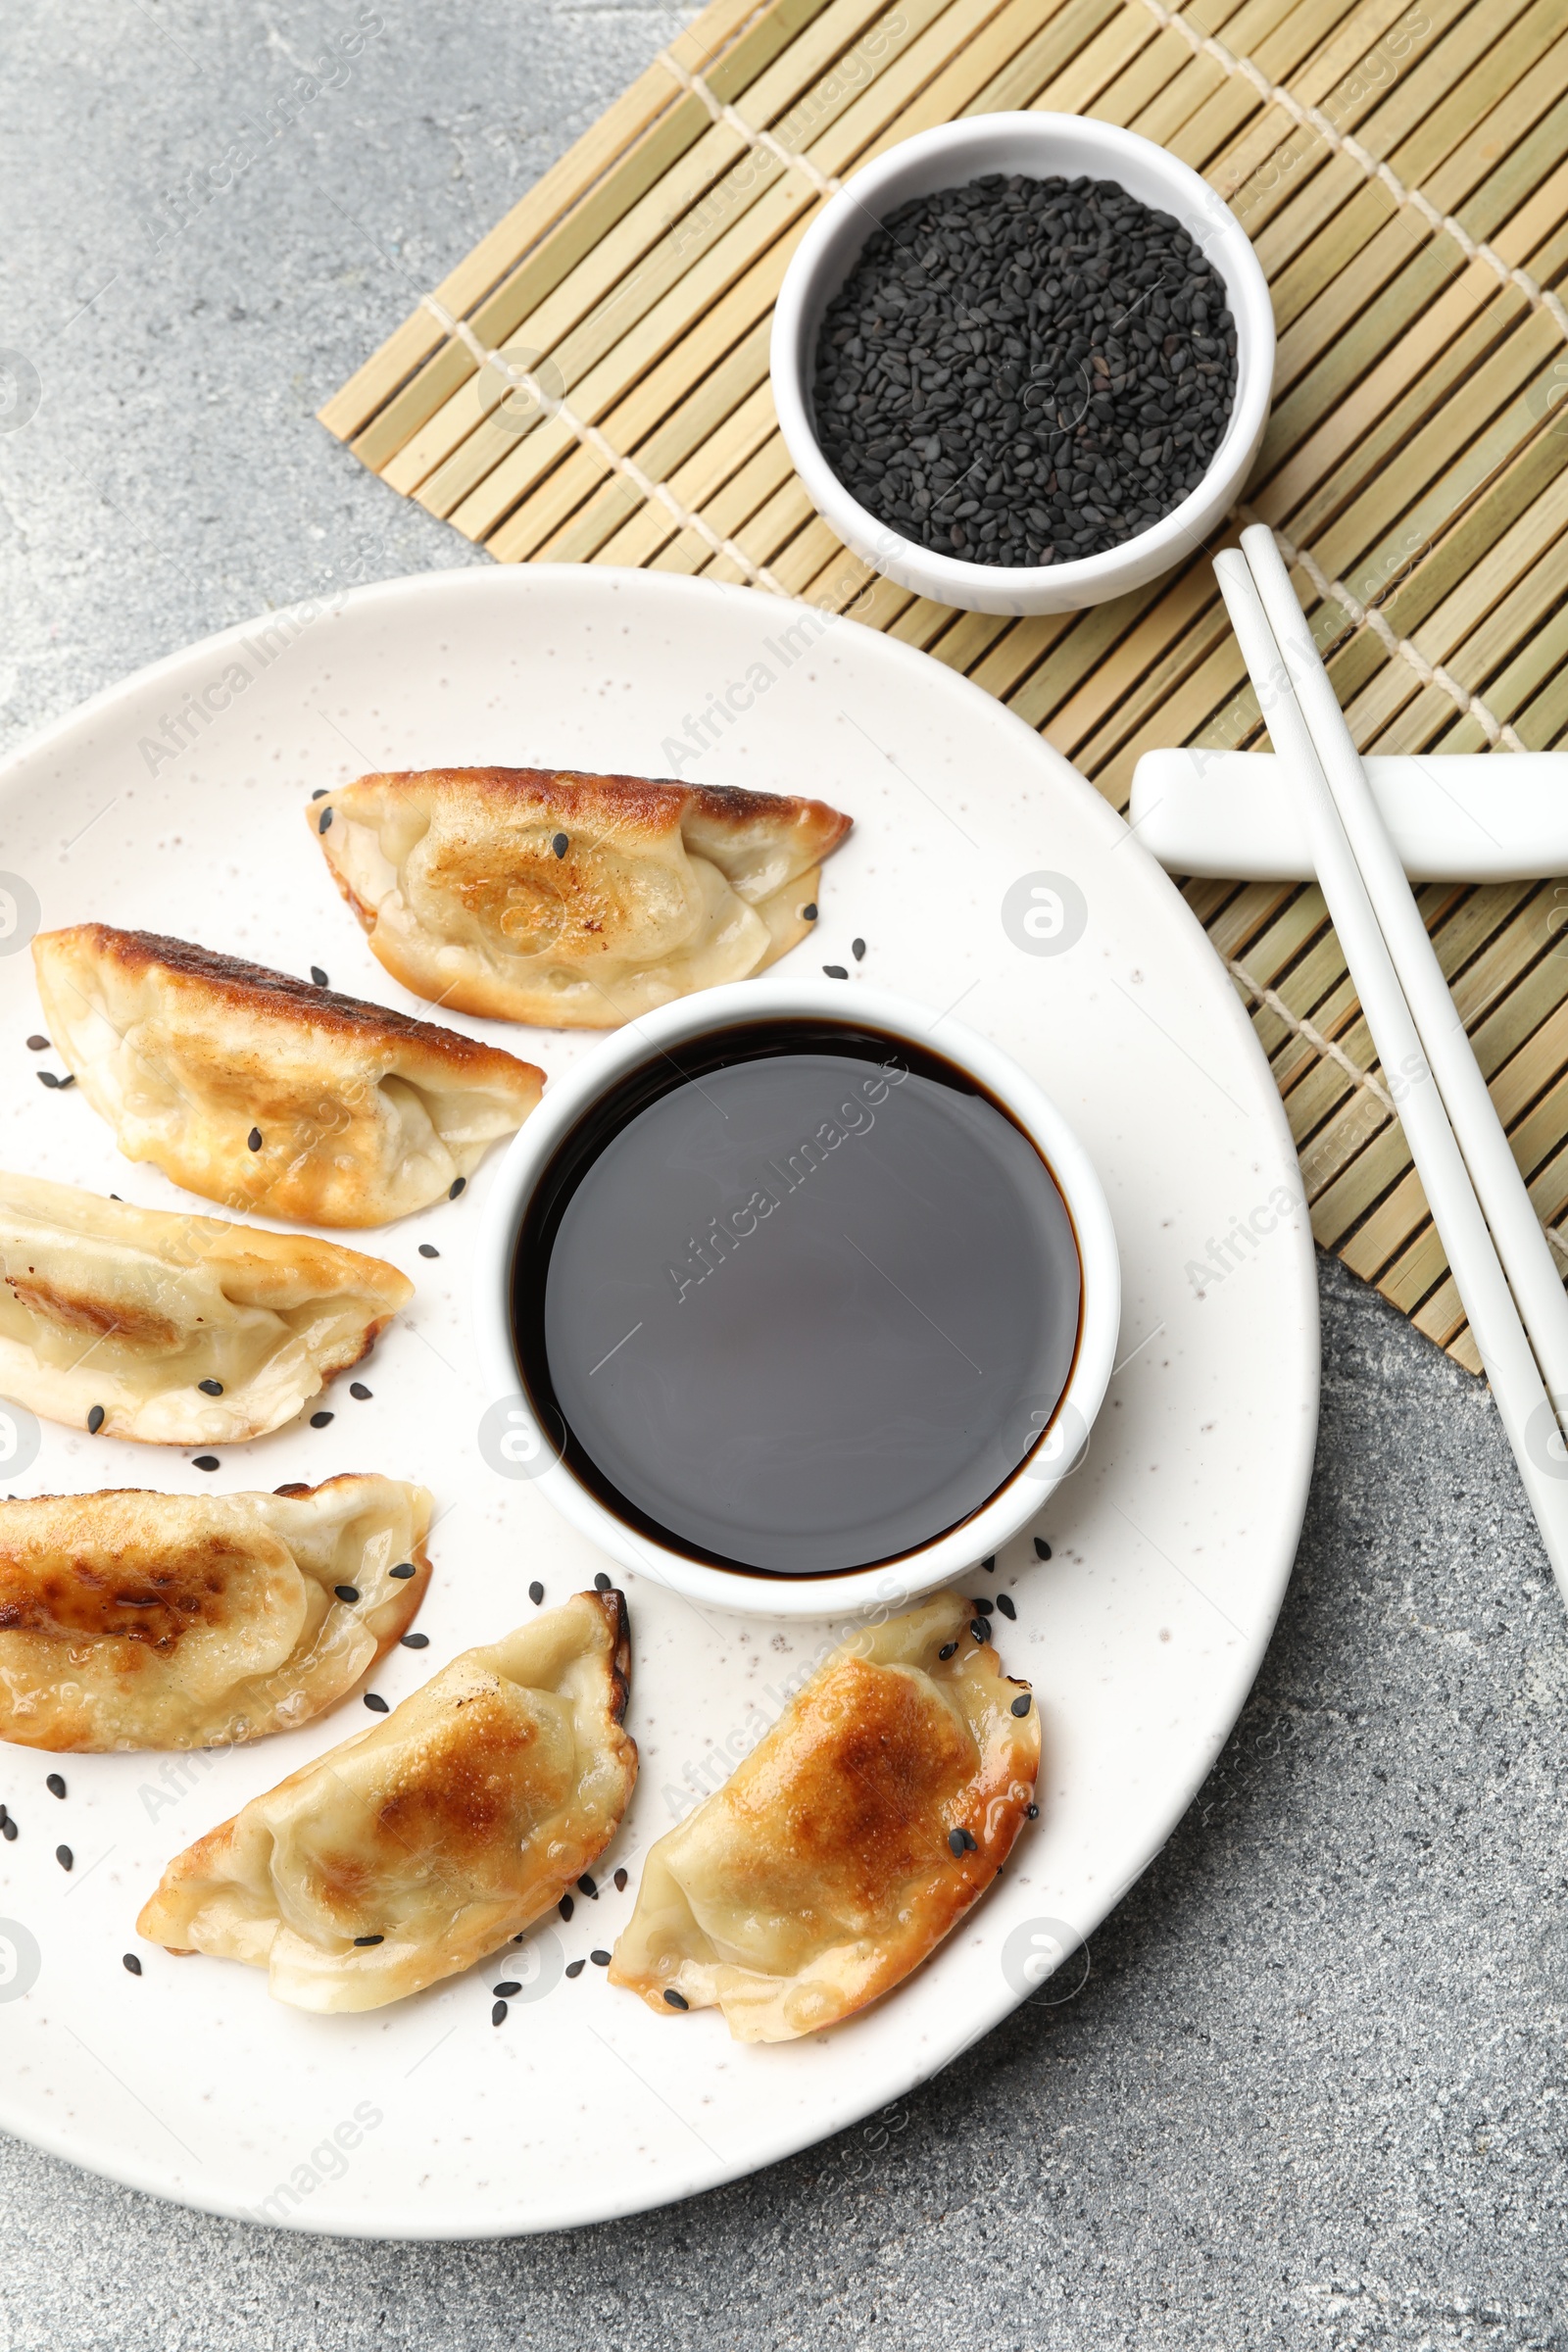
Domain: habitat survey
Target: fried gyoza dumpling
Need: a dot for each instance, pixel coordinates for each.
(180, 1330)
(852, 1838)
(136, 1620)
(570, 901)
(426, 1842)
(265, 1092)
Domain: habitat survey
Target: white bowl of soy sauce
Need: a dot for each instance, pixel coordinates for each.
(795, 1307)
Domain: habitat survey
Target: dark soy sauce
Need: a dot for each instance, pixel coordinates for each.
(796, 1298)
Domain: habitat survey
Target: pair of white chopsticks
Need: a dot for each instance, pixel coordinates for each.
(1497, 1251)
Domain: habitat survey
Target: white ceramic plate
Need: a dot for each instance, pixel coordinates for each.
(1171, 1546)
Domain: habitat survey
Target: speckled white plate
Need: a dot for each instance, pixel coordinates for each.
(982, 872)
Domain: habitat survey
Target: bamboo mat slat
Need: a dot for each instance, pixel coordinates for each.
(1401, 172)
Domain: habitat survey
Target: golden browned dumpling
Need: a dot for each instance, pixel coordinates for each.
(137, 1620)
(178, 1330)
(572, 901)
(264, 1092)
(852, 1838)
(426, 1842)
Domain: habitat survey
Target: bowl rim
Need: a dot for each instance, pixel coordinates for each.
(1226, 244)
(879, 1585)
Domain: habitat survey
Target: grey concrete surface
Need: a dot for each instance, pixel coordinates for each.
(1312, 2092)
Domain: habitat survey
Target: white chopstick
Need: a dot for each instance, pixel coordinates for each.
(1495, 1320)
(1522, 1245)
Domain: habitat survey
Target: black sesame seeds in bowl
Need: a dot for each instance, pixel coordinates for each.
(1023, 363)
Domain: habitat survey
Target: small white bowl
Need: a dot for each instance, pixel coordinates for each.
(514, 1442)
(1043, 147)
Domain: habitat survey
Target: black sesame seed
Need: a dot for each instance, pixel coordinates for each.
(456, 1186)
(536, 1593)
(376, 1704)
(600, 1959)
(948, 1650)
(254, 1139)
(503, 1992)
(131, 1963)
(982, 1605)
(969, 1841)
(857, 950)
(7, 1829)
(676, 2000)
(1004, 1604)
(415, 1641)
(4, 1815)
(566, 1907)
(65, 1857)
(318, 976)
(586, 1885)
(116, 1196)
(428, 1249)
(366, 1940)
(621, 1881)
(1042, 1548)
(46, 1078)
(210, 1388)
(809, 911)
(204, 1461)
(498, 2012)
(990, 1566)
(38, 1044)
(835, 971)
(321, 792)
(323, 821)
(575, 1968)
(1033, 1813)
(560, 844)
(65, 1082)
(601, 1581)
(356, 1388)
(403, 1570)
(55, 1784)
(979, 1628)
(956, 1844)
(347, 1591)
(96, 1420)
(1023, 1703)
(320, 1420)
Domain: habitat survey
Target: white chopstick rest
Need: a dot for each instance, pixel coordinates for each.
(1454, 816)
(1495, 1320)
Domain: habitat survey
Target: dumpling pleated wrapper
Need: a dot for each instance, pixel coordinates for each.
(129, 1309)
(134, 1620)
(444, 1830)
(358, 1114)
(823, 1871)
(570, 901)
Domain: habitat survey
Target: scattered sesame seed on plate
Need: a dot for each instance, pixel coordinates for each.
(428, 1249)
(676, 2000)
(321, 792)
(403, 1571)
(857, 949)
(600, 1959)
(415, 1641)
(318, 976)
(981, 1606)
(835, 971)
(586, 1885)
(347, 1591)
(38, 1044)
(131, 1963)
(621, 1881)
(68, 1081)
(376, 1703)
(1033, 1812)
(47, 1078)
(1042, 1548)
(809, 911)
(55, 1784)
(1023, 1703)
(320, 1420)
(7, 1829)
(210, 1388)
(356, 1388)
(575, 1968)
(65, 1857)
(498, 2012)
(990, 1565)
(96, 1420)
(1004, 1604)
(601, 1581)
(566, 1907)
(204, 1461)
(503, 1992)
(536, 1593)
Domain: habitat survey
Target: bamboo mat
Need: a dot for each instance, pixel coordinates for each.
(1400, 171)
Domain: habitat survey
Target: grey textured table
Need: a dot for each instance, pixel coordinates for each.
(1313, 2089)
